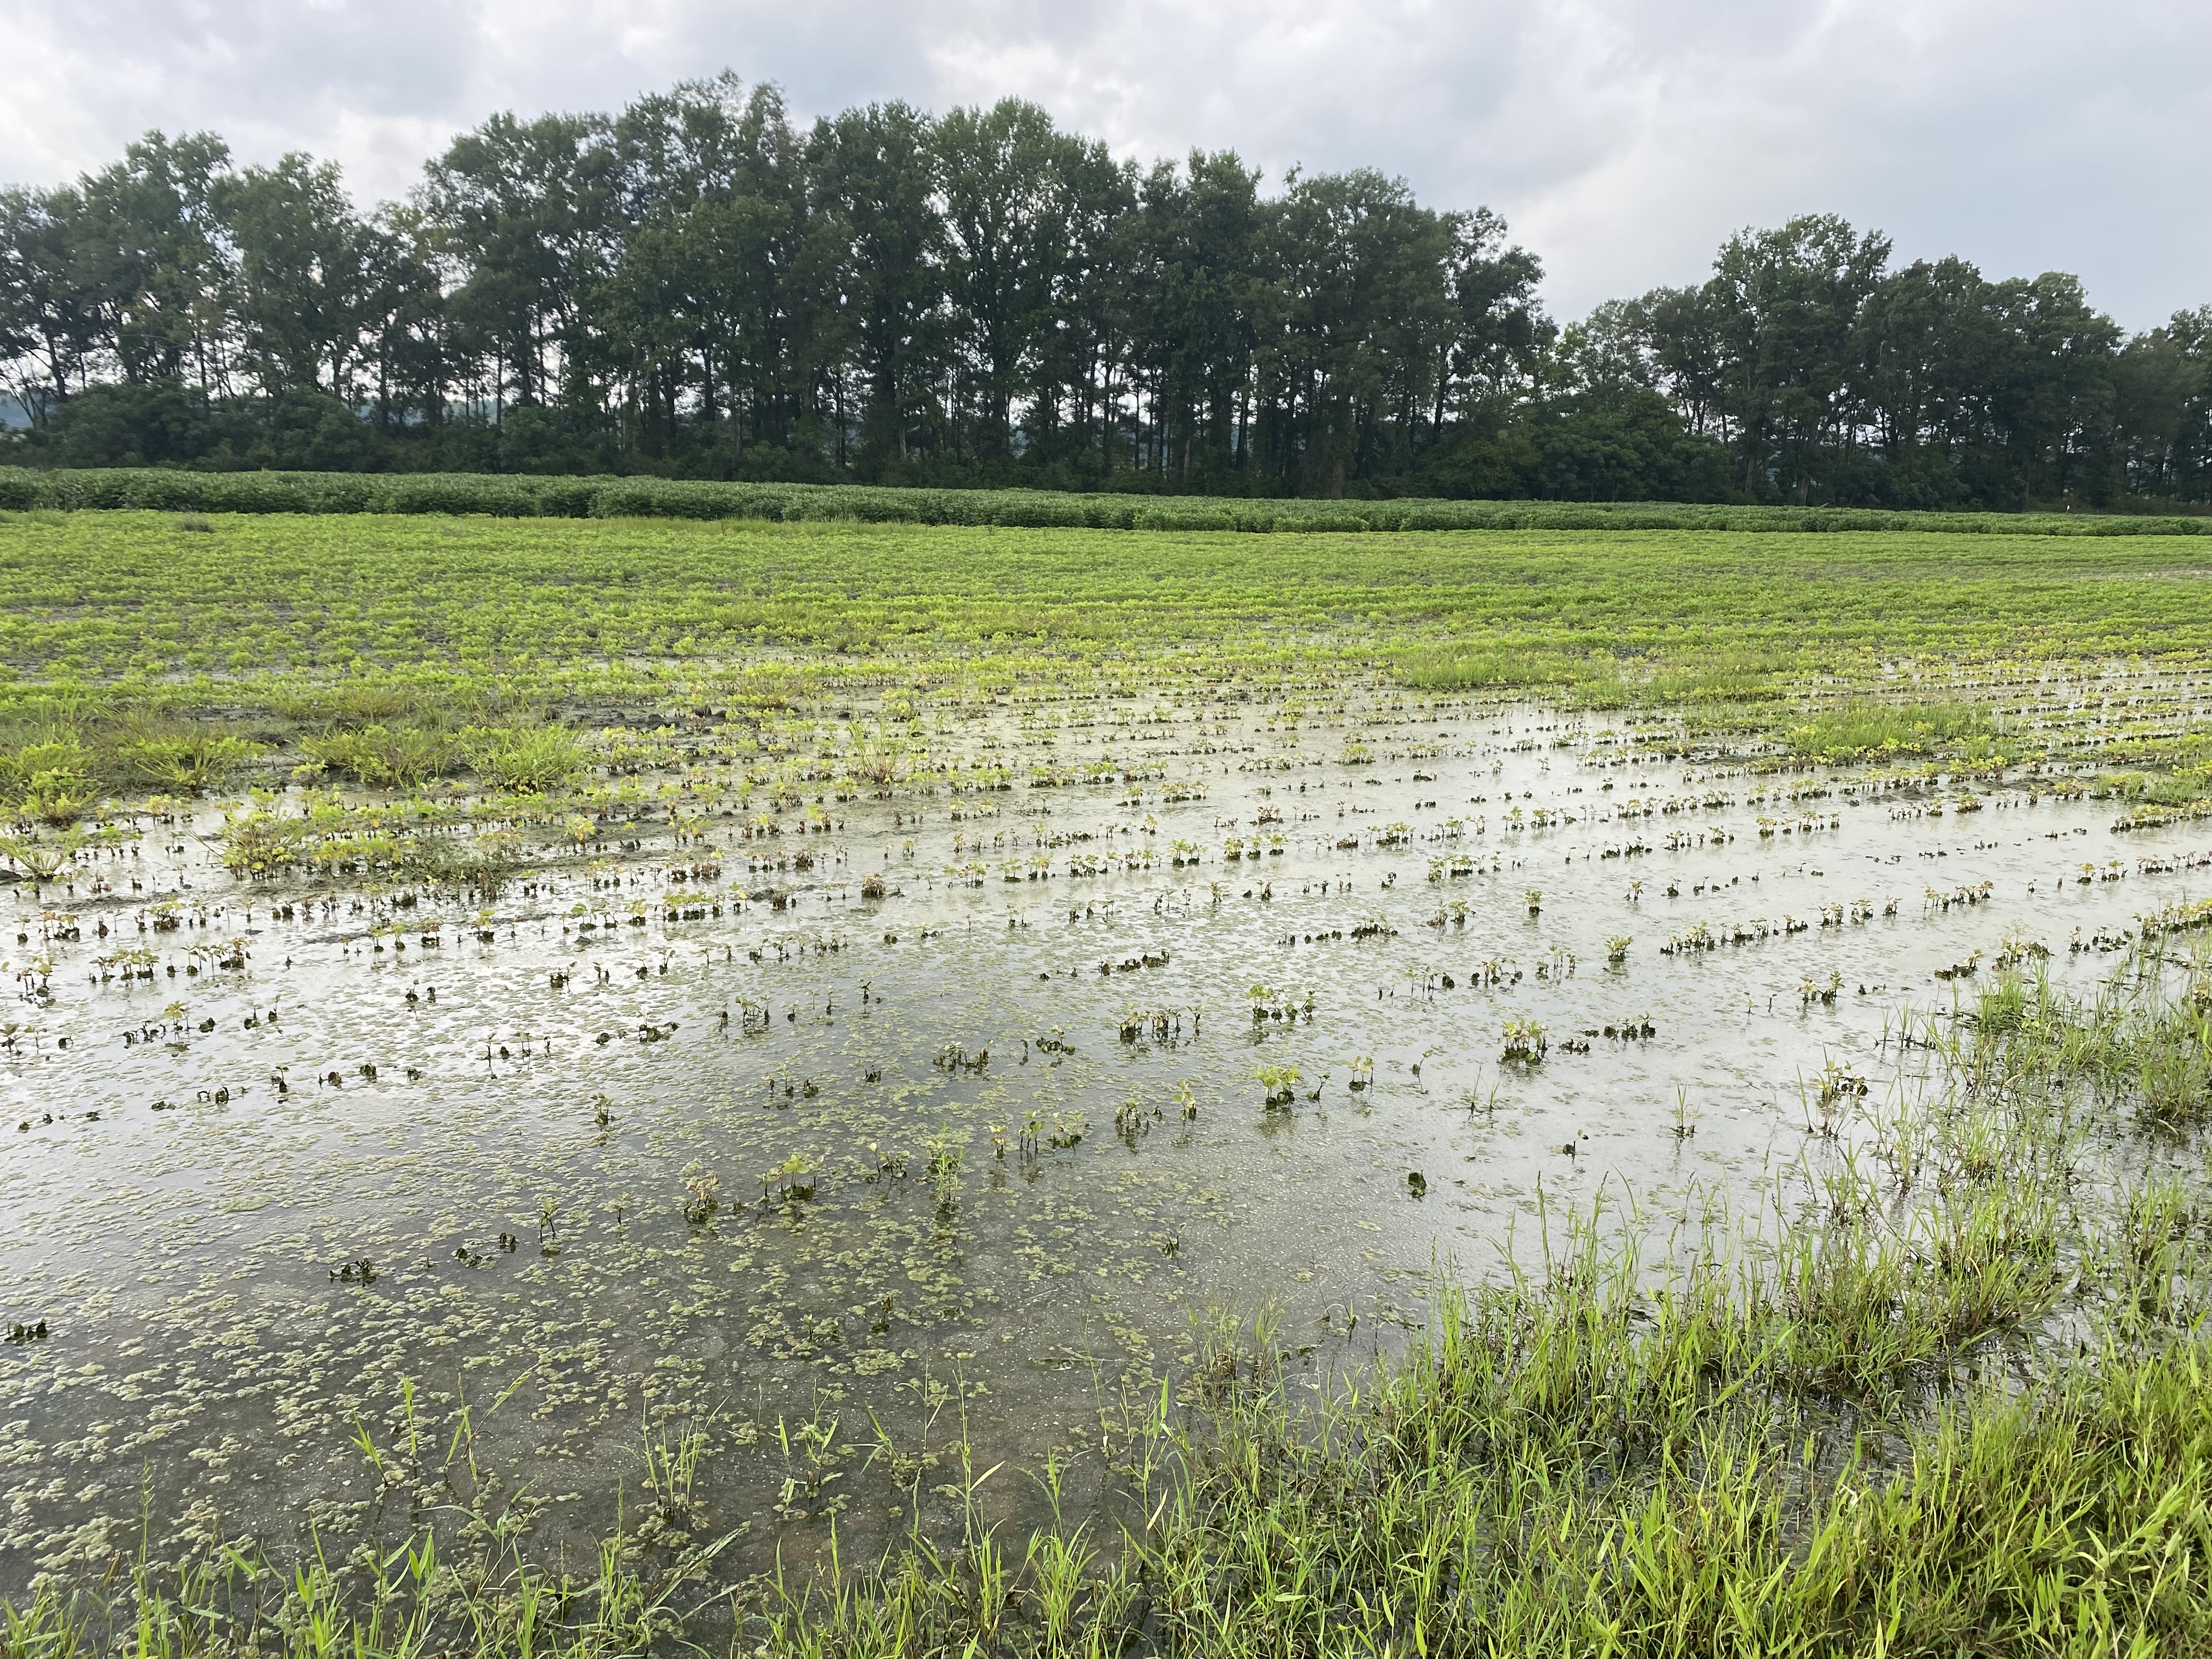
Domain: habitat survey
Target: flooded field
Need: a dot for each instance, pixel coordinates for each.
(823, 1138)
(831, 1089)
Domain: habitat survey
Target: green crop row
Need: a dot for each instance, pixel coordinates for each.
(1679, 617)
(527, 497)
(152, 650)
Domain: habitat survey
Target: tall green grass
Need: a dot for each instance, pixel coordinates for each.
(55, 770)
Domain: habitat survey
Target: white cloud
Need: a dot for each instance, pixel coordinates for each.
(1623, 139)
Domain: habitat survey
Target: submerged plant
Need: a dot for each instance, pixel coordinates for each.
(43, 859)
(1526, 1043)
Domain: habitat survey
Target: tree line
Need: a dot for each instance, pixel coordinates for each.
(701, 287)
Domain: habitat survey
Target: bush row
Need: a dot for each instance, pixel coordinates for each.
(511, 496)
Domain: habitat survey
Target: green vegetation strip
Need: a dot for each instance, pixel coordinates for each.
(1696, 615)
(508, 495)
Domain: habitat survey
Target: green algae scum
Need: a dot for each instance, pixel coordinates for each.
(602, 1084)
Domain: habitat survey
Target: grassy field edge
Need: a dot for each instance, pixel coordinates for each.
(515, 496)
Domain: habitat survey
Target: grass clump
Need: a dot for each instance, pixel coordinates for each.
(524, 760)
(191, 758)
(1583, 1465)
(1866, 1437)
(400, 756)
(1865, 730)
(1577, 680)
(1582, 680)
(1756, 677)
(528, 760)
(1588, 1473)
(56, 772)
(49, 778)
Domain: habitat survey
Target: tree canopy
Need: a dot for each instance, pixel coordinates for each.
(701, 286)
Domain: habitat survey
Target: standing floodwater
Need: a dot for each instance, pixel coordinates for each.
(818, 1135)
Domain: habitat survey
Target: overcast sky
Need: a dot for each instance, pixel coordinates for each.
(1622, 138)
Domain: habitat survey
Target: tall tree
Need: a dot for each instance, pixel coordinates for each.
(1785, 303)
(525, 215)
(302, 273)
(1203, 266)
(151, 261)
(879, 185)
(47, 326)
(2162, 394)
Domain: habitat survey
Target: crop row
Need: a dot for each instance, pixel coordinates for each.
(1682, 617)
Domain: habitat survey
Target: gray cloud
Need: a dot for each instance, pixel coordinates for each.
(1623, 139)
